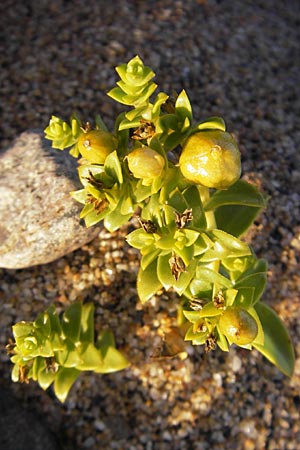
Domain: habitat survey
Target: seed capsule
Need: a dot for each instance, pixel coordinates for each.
(145, 163)
(211, 158)
(96, 145)
(238, 325)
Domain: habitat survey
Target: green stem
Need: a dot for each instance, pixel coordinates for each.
(209, 215)
(210, 221)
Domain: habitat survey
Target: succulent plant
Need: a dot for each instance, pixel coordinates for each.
(181, 180)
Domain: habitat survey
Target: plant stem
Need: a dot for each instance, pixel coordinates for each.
(209, 215)
(210, 221)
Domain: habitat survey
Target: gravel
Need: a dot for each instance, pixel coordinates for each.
(237, 59)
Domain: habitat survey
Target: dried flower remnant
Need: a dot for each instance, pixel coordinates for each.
(177, 266)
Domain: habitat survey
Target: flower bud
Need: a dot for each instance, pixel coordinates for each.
(96, 145)
(238, 325)
(211, 158)
(145, 163)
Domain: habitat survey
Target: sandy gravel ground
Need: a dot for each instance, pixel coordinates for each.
(237, 59)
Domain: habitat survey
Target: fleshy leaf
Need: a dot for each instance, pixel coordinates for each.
(277, 347)
(45, 378)
(90, 357)
(235, 219)
(87, 323)
(240, 193)
(215, 123)
(64, 380)
(193, 200)
(183, 107)
(71, 322)
(147, 282)
(236, 207)
(255, 277)
(165, 276)
(139, 239)
(113, 361)
(113, 168)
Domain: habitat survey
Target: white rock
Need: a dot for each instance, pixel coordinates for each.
(39, 219)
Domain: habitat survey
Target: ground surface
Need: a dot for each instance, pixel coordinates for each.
(237, 59)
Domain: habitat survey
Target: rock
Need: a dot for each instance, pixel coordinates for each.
(39, 219)
(20, 429)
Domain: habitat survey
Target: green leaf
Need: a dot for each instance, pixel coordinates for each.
(183, 107)
(240, 193)
(43, 324)
(71, 322)
(277, 347)
(114, 219)
(222, 341)
(87, 323)
(38, 364)
(64, 380)
(260, 338)
(244, 297)
(160, 99)
(92, 217)
(139, 238)
(186, 237)
(22, 329)
(79, 195)
(68, 356)
(235, 219)
(206, 274)
(15, 373)
(255, 277)
(236, 207)
(45, 349)
(147, 282)
(45, 378)
(165, 242)
(202, 244)
(215, 123)
(209, 310)
(193, 200)
(100, 125)
(118, 95)
(166, 278)
(90, 357)
(105, 340)
(198, 338)
(113, 361)
(192, 316)
(236, 248)
(177, 201)
(113, 167)
(149, 256)
(85, 171)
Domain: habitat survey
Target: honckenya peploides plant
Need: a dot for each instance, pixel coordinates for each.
(181, 180)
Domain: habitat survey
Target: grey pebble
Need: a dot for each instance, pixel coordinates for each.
(39, 219)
